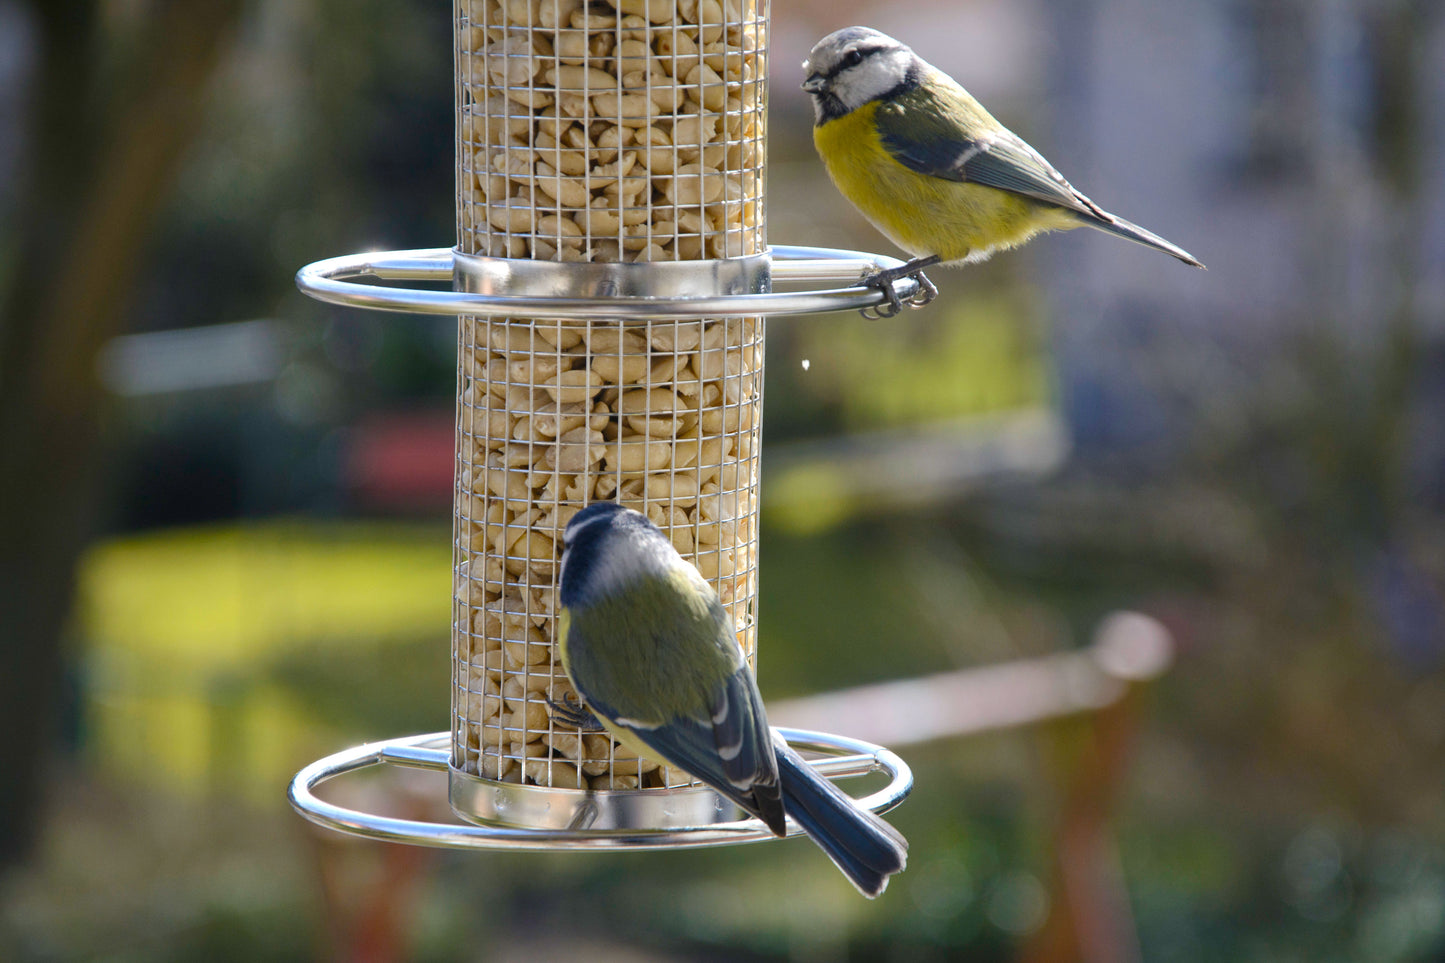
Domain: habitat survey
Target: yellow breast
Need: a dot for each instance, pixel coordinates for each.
(924, 215)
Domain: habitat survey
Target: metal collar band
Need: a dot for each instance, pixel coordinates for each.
(517, 277)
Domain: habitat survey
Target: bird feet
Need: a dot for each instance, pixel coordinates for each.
(572, 713)
(884, 280)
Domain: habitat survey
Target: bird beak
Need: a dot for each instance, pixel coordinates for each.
(815, 84)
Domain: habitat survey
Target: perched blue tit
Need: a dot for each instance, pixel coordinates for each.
(929, 167)
(653, 654)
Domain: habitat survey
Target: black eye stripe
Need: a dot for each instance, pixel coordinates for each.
(850, 59)
(853, 58)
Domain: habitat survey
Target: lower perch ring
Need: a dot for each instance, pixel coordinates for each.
(538, 818)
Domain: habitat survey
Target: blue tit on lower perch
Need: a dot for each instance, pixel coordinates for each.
(653, 655)
(929, 167)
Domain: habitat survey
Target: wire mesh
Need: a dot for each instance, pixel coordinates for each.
(624, 130)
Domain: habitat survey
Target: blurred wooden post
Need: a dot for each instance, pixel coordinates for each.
(1086, 704)
(1090, 920)
(370, 892)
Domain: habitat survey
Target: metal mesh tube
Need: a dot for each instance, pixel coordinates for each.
(616, 130)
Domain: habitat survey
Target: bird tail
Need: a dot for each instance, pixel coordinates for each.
(862, 845)
(1125, 229)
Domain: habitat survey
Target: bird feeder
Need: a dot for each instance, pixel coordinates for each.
(611, 281)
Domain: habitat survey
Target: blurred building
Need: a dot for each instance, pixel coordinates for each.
(1296, 147)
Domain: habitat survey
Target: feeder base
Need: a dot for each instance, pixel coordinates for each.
(538, 818)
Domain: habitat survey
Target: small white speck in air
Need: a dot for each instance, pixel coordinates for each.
(806, 364)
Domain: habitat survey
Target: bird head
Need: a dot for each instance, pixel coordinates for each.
(850, 67)
(608, 548)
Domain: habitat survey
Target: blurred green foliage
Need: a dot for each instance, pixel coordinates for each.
(973, 355)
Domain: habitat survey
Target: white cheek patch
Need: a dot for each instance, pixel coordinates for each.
(873, 78)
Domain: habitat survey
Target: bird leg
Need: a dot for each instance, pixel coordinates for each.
(883, 280)
(572, 713)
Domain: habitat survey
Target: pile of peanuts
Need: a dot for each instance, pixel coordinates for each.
(611, 130)
(662, 417)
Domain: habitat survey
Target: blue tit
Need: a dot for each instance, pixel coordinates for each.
(653, 655)
(929, 167)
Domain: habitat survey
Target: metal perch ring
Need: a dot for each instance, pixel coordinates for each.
(598, 818)
(584, 291)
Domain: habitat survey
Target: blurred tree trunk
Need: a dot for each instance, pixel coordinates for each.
(107, 132)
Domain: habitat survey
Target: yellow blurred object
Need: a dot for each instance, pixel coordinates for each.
(182, 626)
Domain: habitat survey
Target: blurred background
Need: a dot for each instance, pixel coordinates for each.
(225, 511)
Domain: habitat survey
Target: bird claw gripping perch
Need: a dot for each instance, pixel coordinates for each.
(884, 280)
(573, 713)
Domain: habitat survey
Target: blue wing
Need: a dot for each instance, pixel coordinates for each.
(940, 131)
(926, 133)
(678, 683)
(730, 749)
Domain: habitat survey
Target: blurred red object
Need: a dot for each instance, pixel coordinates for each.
(401, 460)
